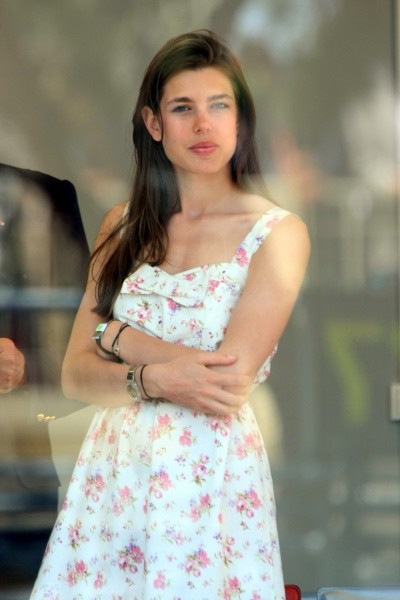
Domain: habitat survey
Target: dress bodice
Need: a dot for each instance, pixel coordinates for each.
(193, 307)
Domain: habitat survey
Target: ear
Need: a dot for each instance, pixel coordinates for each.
(152, 123)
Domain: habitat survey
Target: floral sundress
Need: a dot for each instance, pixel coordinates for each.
(166, 503)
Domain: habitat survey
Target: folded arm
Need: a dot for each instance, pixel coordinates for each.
(275, 276)
(185, 376)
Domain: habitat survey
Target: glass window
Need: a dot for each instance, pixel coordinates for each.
(322, 73)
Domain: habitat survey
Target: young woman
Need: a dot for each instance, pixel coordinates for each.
(194, 280)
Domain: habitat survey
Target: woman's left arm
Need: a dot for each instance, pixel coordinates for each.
(275, 277)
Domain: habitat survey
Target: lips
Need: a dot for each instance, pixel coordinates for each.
(203, 148)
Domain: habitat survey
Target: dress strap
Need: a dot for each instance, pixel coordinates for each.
(259, 232)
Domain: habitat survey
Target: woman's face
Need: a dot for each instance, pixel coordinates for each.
(199, 121)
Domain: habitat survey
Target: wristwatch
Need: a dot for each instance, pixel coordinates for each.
(97, 336)
(131, 385)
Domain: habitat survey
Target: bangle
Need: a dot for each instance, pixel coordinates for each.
(131, 385)
(147, 397)
(114, 345)
(98, 335)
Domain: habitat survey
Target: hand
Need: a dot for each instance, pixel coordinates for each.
(190, 381)
(12, 365)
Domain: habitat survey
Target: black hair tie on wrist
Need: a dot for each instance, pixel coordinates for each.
(142, 386)
(115, 344)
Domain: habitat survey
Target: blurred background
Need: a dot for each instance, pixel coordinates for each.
(323, 74)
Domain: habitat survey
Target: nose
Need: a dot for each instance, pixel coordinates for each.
(202, 122)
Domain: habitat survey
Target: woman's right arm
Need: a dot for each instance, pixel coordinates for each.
(89, 377)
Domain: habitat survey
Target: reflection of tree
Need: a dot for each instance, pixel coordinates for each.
(338, 69)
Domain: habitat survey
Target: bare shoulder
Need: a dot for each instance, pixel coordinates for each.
(288, 242)
(255, 205)
(113, 218)
(252, 203)
(291, 226)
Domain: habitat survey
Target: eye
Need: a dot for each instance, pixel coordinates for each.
(181, 108)
(219, 105)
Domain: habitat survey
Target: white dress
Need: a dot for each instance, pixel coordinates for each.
(166, 503)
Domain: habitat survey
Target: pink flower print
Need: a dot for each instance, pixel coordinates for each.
(174, 537)
(76, 573)
(99, 581)
(163, 426)
(186, 438)
(94, 485)
(133, 285)
(229, 551)
(198, 509)
(160, 482)
(120, 501)
(220, 424)
(272, 222)
(248, 445)
(130, 557)
(75, 536)
(266, 552)
(247, 502)
(117, 508)
(232, 588)
(164, 420)
(197, 561)
(234, 583)
(112, 437)
(256, 596)
(212, 285)
(172, 305)
(190, 276)
(160, 582)
(195, 513)
(125, 493)
(241, 256)
(99, 431)
(205, 500)
(193, 325)
(143, 313)
(200, 469)
(106, 534)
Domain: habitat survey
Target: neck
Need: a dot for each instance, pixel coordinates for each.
(204, 194)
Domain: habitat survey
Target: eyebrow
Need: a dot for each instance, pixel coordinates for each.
(212, 98)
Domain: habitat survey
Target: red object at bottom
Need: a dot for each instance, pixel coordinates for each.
(292, 592)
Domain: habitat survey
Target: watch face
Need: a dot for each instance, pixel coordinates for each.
(132, 391)
(99, 331)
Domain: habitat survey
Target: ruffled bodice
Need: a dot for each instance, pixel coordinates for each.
(182, 308)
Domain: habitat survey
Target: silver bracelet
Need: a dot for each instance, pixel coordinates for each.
(98, 335)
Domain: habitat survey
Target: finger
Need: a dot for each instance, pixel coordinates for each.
(215, 358)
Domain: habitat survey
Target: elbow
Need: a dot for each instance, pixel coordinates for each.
(68, 384)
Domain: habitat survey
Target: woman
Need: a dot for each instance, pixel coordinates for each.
(195, 280)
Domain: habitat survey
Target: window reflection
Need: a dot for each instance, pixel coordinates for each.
(321, 72)
(43, 253)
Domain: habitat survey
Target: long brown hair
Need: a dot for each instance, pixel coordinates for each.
(155, 196)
